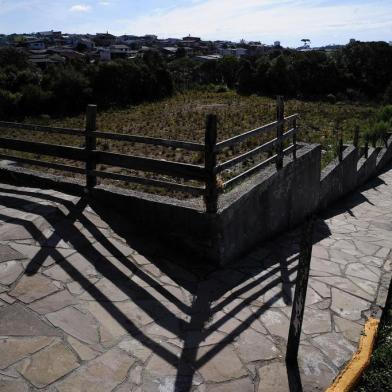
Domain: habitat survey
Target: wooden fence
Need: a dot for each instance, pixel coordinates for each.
(207, 174)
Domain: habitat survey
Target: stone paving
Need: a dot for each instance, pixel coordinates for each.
(80, 310)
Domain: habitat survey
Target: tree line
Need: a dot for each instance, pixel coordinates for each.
(359, 71)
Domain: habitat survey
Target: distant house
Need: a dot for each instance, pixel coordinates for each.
(191, 39)
(173, 41)
(116, 52)
(36, 44)
(209, 57)
(76, 41)
(240, 52)
(120, 51)
(169, 50)
(43, 60)
(236, 52)
(50, 34)
(67, 53)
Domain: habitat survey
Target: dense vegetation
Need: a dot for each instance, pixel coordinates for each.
(358, 72)
(66, 89)
(182, 117)
(378, 377)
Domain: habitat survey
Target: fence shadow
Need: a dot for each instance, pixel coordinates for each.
(218, 294)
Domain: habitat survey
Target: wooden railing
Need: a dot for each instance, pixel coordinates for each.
(207, 174)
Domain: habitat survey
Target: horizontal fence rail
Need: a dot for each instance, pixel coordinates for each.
(66, 152)
(175, 169)
(50, 165)
(206, 174)
(254, 132)
(41, 128)
(269, 146)
(197, 191)
(150, 140)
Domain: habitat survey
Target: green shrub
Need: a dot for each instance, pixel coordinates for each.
(388, 94)
(8, 103)
(378, 377)
(385, 114)
(376, 132)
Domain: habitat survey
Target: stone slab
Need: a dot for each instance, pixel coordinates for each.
(15, 320)
(13, 350)
(48, 365)
(101, 374)
(80, 325)
(8, 254)
(31, 288)
(54, 302)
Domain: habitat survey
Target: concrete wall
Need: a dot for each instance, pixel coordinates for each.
(269, 203)
(181, 223)
(266, 204)
(339, 178)
(367, 167)
(385, 155)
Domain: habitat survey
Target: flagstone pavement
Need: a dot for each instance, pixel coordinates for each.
(84, 306)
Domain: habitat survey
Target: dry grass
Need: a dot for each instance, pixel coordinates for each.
(182, 117)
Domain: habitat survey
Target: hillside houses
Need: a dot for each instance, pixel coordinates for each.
(55, 47)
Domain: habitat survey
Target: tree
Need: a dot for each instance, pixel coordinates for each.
(246, 78)
(228, 70)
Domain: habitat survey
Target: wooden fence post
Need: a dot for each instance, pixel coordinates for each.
(340, 148)
(367, 146)
(279, 131)
(90, 146)
(295, 139)
(356, 137)
(301, 287)
(211, 191)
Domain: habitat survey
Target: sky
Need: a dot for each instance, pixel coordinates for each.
(322, 21)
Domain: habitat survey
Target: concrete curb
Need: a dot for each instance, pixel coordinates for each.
(351, 374)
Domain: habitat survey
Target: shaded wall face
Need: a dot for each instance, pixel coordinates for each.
(268, 203)
(265, 207)
(339, 178)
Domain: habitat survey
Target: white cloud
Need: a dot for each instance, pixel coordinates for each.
(80, 8)
(269, 20)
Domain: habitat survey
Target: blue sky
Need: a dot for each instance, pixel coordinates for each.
(322, 21)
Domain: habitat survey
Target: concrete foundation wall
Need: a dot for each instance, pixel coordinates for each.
(339, 178)
(367, 166)
(182, 223)
(270, 203)
(266, 204)
(385, 155)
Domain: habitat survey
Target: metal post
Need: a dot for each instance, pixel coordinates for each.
(90, 146)
(279, 131)
(211, 192)
(301, 287)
